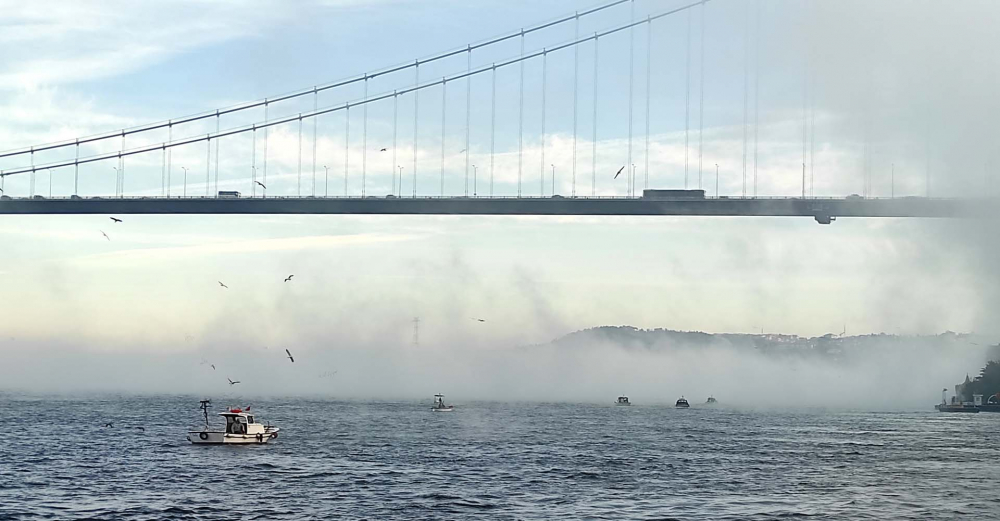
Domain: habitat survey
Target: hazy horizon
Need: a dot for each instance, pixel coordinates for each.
(882, 99)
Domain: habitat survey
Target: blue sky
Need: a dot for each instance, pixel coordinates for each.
(904, 71)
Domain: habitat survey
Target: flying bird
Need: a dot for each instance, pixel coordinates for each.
(213, 367)
(479, 319)
(115, 219)
(383, 150)
(105, 235)
(290, 355)
(143, 429)
(328, 374)
(460, 151)
(261, 184)
(109, 424)
(233, 382)
(619, 171)
(289, 278)
(1, 190)
(223, 285)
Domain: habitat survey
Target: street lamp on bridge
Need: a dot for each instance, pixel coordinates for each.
(717, 180)
(184, 193)
(400, 191)
(632, 193)
(326, 181)
(474, 177)
(553, 178)
(117, 181)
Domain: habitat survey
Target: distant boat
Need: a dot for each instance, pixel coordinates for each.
(711, 401)
(682, 403)
(439, 405)
(956, 407)
(623, 401)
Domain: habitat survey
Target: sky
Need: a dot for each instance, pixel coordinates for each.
(898, 92)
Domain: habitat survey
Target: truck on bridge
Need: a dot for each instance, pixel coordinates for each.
(666, 195)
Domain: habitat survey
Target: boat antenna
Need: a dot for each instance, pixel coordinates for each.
(204, 409)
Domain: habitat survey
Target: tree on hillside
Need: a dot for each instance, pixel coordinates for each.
(987, 383)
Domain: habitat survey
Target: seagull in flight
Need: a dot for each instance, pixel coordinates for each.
(143, 429)
(105, 235)
(223, 285)
(479, 319)
(109, 424)
(619, 171)
(213, 366)
(383, 150)
(233, 382)
(289, 278)
(289, 353)
(261, 184)
(115, 219)
(460, 151)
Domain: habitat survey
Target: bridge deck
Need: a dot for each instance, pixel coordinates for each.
(792, 207)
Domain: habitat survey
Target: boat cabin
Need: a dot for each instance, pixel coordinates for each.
(239, 422)
(623, 400)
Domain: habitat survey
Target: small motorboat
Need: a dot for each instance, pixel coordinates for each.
(439, 405)
(241, 429)
(623, 401)
(711, 401)
(682, 403)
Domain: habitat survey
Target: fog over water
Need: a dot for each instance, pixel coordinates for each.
(908, 86)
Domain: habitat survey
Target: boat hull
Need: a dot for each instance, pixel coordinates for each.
(442, 409)
(222, 438)
(957, 408)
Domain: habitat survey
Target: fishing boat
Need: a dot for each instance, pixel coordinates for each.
(682, 403)
(623, 401)
(439, 405)
(711, 401)
(241, 429)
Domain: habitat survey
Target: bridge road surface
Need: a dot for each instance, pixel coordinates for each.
(823, 210)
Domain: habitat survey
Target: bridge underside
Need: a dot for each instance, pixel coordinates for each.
(823, 210)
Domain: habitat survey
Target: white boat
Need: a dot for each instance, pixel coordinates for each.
(623, 401)
(241, 429)
(682, 403)
(439, 405)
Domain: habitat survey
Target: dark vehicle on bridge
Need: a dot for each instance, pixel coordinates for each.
(673, 194)
(229, 194)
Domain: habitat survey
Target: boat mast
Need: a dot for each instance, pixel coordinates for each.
(204, 409)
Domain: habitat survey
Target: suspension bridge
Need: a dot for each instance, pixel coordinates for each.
(223, 173)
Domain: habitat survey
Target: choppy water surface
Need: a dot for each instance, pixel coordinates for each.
(494, 461)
